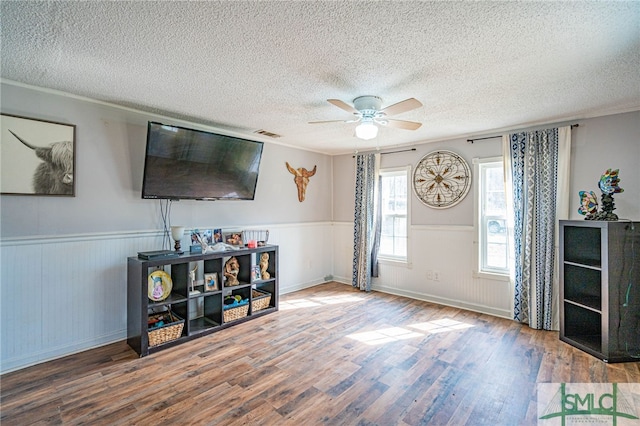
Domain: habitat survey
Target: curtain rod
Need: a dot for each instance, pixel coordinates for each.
(393, 152)
(493, 137)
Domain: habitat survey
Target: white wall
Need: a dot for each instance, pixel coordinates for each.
(443, 240)
(63, 260)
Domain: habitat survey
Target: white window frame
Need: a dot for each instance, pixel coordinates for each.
(501, 275)
(399, 259)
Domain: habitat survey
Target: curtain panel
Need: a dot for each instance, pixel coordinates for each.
(366, 221)
(537, 167)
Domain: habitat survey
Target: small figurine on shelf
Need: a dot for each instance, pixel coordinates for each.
(192, 277)
(588, 204)
(264, 265)
(231, 270)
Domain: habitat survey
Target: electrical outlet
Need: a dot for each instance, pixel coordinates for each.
(429, 274)
(436, 275)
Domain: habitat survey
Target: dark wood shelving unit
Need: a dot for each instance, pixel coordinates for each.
(140, 307)
(600, 288)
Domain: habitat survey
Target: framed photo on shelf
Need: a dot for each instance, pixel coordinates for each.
(198, 237)
(211, 282)
(37, 157)
(207, 236)
(217, 236)
(234, 239)
(255, 273)
(195, 237)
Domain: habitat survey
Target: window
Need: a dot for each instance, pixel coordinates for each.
(491, 210)
(394, 207)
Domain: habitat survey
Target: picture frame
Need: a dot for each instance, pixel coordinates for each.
(198, 237)
(256, 275)
(217, 236)
(211, 282)
(195, 237)
(207, 236)
(233, 238)
(37, 157)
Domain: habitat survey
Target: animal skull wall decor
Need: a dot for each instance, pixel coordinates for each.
(301, 178)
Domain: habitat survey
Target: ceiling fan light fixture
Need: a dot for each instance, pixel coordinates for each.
(366, 130)
(366, 110)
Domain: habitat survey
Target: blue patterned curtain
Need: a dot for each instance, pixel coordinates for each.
(366, 224)
(533, 170)
(377, 228)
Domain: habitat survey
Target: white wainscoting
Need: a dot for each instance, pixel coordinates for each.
(448, 250)
(64, 294)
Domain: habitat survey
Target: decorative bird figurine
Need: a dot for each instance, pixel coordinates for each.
(588, 203)
(609, 182)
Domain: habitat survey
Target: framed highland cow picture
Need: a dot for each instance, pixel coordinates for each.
(37, 157)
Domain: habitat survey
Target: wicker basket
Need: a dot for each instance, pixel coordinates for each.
(233, 314)
(259, 300)
(167, 332)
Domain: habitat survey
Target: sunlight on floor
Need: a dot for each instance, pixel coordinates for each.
(333, 300)
(440, 326)
(387, 335)
(318, 301)
(297, 304)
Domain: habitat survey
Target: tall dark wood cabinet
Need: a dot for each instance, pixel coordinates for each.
(188, 313)
(600, 288)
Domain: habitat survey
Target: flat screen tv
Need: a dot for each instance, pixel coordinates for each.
(183, 163)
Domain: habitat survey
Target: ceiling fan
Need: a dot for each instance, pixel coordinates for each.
(368, 113)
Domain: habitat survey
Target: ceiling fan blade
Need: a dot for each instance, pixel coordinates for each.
(399, 124)
(402, 106)
(344, 106)
(333, 121)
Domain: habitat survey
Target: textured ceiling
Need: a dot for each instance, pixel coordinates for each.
(242, 66)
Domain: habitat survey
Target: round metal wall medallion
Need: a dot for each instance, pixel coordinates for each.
(441, 179)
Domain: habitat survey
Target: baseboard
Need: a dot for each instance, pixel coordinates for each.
(342, 280)
(8, 365)
(284, 289)
(502, 313)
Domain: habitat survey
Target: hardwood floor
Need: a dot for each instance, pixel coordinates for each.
(331, 355)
